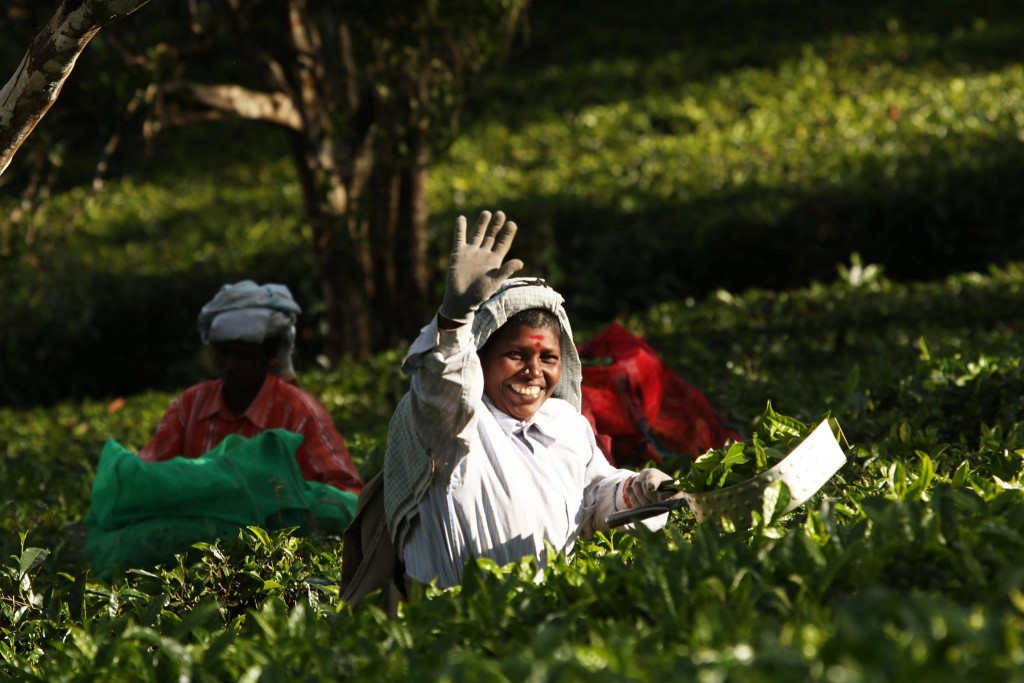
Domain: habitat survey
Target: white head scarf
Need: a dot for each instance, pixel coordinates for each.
(519, 294)
(249, 312)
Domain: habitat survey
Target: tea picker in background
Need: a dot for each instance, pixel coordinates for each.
(251, 331)
(255, 450)
(488, 455)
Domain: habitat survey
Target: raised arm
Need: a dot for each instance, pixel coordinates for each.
(447, 383)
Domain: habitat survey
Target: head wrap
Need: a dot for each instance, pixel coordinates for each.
(523, 293)
(249, 312)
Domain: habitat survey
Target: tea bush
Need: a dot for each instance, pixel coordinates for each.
(907, 564)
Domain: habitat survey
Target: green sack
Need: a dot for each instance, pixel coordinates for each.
(143, 513)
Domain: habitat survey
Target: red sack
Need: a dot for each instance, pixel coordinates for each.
(640, 409)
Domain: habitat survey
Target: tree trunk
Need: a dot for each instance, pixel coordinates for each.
(51, 56)
(398, 232)
(343, 260)
(413, 273)
(384, 236)
(361, 126)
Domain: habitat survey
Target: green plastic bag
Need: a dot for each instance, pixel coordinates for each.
(143, 513)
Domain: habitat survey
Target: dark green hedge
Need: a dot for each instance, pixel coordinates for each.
(648, 155)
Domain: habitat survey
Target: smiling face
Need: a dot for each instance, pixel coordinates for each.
(522, 365)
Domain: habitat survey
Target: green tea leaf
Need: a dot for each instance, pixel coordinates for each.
(774, 501)
(963, 471)
(31, 558)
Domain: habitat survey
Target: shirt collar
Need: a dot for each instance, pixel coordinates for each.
(541, 421)
(256, 413)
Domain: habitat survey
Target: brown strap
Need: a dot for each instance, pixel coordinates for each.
(369, 561)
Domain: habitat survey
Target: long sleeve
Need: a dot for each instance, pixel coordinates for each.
(604, 495)
(445, 392)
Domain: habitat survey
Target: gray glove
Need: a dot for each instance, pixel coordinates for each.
(643, 488)
(475, 269)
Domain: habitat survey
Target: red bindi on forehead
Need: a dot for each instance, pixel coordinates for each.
(537, 339)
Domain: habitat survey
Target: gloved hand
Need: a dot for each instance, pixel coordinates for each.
(642, 488)
(475, 269)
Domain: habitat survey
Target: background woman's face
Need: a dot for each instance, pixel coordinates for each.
(522, 366)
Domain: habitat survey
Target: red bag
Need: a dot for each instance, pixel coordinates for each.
(640, 409)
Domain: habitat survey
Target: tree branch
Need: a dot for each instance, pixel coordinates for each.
(183, 102)
(51, 56)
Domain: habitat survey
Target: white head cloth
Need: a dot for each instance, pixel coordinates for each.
(250, 312)
(518, 294)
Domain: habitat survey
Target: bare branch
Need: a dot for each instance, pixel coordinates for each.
(51, 56)
(348, 75)
(184, 102)
(276, 73)
(112, 144)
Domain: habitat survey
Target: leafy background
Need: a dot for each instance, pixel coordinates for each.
(817, 206)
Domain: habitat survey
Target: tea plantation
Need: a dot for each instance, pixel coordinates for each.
(816, 207)
(908, 563)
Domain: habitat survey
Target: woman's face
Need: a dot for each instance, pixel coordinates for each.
(522, 366)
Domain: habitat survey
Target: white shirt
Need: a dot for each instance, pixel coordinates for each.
(495, 495)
